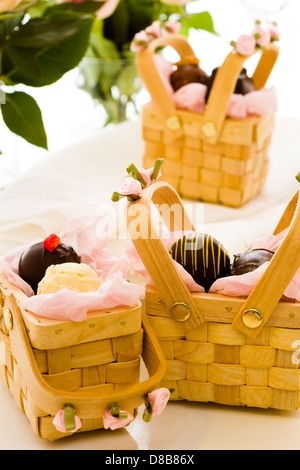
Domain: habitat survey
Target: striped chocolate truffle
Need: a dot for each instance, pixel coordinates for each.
(203, 257)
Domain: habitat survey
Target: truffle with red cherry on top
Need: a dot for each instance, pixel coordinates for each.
(39, 256)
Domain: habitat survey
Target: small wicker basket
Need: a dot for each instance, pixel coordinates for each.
(47, 364)
(207, 156)
(222, 349)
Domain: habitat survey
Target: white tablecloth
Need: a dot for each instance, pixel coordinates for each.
(80, 180)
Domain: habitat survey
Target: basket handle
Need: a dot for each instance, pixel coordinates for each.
(268, 291)
(151, 78)
(158, 262)
(88, 404)
(222, 89)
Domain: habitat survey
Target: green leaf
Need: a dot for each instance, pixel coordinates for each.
(201, 20)
(24, 60)
(7, 25)
(128, 80)
(62, 44)
(23, 117)
(82, 7)
(39, 33)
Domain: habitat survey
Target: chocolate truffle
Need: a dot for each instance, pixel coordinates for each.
(203, 257)
(188, 71)
(38, 257)
(243, 86)
(249, 261)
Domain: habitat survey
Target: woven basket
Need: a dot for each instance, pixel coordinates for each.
(47, 364)
(207, 156)
(222, 349)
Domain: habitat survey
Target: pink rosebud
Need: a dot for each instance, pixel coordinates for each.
(107, 9)
(146, 175)
(261, 36)
(59, 422)
(245, 44)
(158, 399)
(111, 422)
(173, 26)
(274, 32)
(139, 41)
(130, 187)
(8, 5)
(154, 29)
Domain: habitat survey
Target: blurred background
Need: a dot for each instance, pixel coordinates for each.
(71, 115)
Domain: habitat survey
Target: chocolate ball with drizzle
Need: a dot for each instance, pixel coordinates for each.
(249, 261)
(203, 257)
(188, 71)
(39, 256)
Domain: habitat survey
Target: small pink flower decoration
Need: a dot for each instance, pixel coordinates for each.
(140, 41)
(274, 32)
(130, 187)
(159, 399)
(262, 36)
(146, 175)
(59, 422)
(154, 29)
(173, 27)
(156, 402)
(245, 44)
(136, 180)
(113, 422)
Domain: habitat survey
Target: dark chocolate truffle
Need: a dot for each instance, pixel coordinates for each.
(243, 86)
(249, 261)
(36, 259)
(188, 71)
(203, 257)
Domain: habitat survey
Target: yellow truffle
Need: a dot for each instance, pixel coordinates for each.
(74, 276)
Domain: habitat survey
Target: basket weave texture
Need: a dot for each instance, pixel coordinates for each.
(47, 364)
(215, 349)
(207, 156)
(216, 363)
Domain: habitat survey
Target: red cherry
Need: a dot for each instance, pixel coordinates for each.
(51, 242)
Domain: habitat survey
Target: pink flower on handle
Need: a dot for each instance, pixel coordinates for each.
(172, 27)
(261, 36)
(274, 32)
(113, 422)
(154, 29)
(158, 400)
(130, 187)
(245, 44)
(146, 175)
(59, 422)
(139, 42)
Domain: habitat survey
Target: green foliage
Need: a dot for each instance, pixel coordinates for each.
(22, 116)
(109, 72)
(38, 52)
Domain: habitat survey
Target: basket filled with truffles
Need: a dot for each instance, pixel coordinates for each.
(228, 325)
(73, 334)
(213, 130)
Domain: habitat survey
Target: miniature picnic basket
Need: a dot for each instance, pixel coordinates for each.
(80, 368)
(219, 348)
(208, 156)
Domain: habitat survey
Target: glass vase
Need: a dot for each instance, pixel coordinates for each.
(115, 85)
